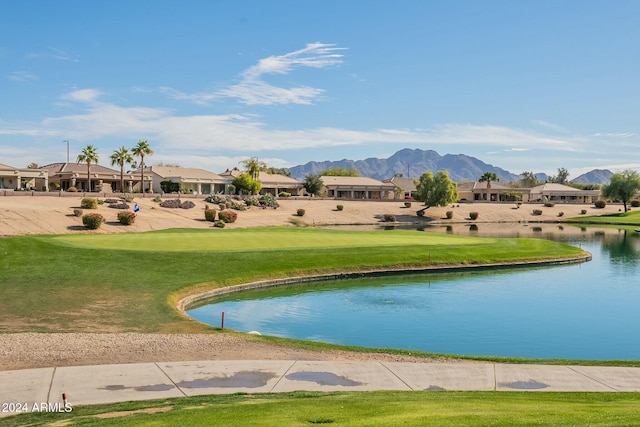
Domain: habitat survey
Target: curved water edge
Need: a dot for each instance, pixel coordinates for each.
(188, 302)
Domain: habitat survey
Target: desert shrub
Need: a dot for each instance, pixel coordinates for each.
(100, 202)
(177, 203)
(157, 199)
(219, 224)
(549, 204)
(340, 207)
(518, 204)
(420, 212)
(268, 201)
(284, 194)
(560, 213)
(227, 216)
(110, 201)
(537, 212)
(210, 214)
(187, 204)
(78, 212)
(300, 212)
(389, 218)
(89, 203)
(126, 217)
(215, 199)
(635, 203)
(92, 221)
(119, 205)
(129, 198)
(583, 211)
(600, 204)
(72, 190)
(473, 215)
(449, 214)
(407, 204)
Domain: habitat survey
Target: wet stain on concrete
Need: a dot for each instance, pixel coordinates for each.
(525, 385)
(323, 378)
(114, 387)
(155, 387)
(244, 379)
(435, 388)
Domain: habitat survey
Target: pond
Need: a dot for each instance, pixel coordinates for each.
(580, 311)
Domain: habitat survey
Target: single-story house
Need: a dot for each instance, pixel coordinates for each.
(558, 193)
(276, 183)
(405, 187)
(479, 191)
(23, 178)
(103, 179)
(357, 187)
(190, 180)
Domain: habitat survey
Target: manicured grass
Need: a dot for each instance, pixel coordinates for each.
(631, 217)
(360, 409)
(107, 283)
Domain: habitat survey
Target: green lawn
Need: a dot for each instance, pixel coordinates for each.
(130, 282)
(625, 218)
(384, 408)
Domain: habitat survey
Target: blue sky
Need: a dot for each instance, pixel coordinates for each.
(524, 85)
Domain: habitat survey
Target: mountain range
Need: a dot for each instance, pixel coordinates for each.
(414, 162)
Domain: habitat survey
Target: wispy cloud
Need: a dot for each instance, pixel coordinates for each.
(53, 53)
(22, 76)
(254, 90)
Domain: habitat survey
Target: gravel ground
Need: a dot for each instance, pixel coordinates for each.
(37, 350)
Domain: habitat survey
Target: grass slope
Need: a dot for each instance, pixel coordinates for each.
(109, 283)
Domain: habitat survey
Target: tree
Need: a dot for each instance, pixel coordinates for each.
(623, 186)
(141, 150)
(244, 183)
(561, 178)
(253, 167)
(279, 171)
(438, 190)
(340, 172)
(88, 155)
(528, 179)
(33, 166)
(313, 184)
(121, 157)
(488, 177)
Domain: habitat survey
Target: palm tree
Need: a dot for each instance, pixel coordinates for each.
(141, 150)
(88, 155)
(488, 177)
(253, 167)
(121, 157)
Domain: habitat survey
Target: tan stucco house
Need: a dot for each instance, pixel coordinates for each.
(405, 187)
(558, 193)
(23, 178)
(357, 187)
(191, 180)
(103, 179)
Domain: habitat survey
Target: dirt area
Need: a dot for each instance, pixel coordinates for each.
(52, 214)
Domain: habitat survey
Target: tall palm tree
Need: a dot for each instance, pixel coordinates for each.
(254, 166)
(88, 155)
(121, 157)
(488, 177)
(141, 150)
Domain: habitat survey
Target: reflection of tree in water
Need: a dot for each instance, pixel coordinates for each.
(623, 248)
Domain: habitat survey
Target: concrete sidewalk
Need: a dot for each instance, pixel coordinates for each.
(84, 385)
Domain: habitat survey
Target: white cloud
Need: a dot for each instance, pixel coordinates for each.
(254, 90)
(22, 76)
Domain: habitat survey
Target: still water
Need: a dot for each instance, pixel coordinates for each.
(582, 311)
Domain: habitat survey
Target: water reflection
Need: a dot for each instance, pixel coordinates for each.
(583, 311)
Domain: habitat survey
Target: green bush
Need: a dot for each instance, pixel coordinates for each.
(227, 216)
(89, 203)
(126, 217)
(420, 212)
(284, 194)
(210, 214)
(78, 212)
(219, 224)
(635, 203)
(600, 204)
(537, 212)
(549, 204)
(583, 211)
(473, 215)
(92, 221)
(449, 214)
(72, 190)
(560, 213)
(340, 207)
(300, 212)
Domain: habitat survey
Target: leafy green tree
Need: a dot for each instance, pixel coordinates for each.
(561, 178)
(340, 172)
(141, 150)
(88, 155)
(313, 184)
(528, 179)
(33, 166)
(279, 171)
(438, 190)
(488, 177)
(121, 157)
(246, 184)
(253, 167)
(623, 186)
